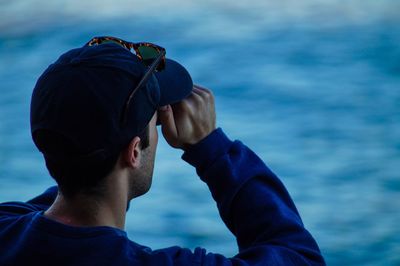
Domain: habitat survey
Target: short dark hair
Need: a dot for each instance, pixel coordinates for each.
(73, 179)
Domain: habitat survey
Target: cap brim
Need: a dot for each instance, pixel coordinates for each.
(175, 83)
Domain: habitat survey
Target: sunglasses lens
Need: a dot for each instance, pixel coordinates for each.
(148, 54)
(104, 41)
(109, 41)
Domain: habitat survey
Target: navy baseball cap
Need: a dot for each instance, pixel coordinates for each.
(78, 102)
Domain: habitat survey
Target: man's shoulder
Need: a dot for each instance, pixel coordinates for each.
(16, 208)
(22, 244)
(174, 255)
(25, 233)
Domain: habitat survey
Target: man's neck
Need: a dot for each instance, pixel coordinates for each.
(88, 211)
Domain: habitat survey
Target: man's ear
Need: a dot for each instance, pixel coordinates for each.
(132, 153)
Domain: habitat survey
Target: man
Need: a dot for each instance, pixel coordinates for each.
(93, 116)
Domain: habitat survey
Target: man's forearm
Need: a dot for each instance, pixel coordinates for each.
(39, 203)
(44, 200)
(253, 202)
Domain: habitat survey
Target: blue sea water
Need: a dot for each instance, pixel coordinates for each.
(311, 86)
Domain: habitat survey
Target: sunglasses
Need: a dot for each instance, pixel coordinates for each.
(152, 55)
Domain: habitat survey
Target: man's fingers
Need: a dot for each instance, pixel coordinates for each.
(203, 92)
(194, 95)
(168, 127)
(202, 89)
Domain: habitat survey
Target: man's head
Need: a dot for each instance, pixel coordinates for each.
(77, 107)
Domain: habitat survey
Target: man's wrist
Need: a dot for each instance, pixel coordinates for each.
(197, 140)
(205, 152)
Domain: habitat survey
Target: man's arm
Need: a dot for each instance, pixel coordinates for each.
(253, 203)
(39, 203)
(44, 200)
(251, 200)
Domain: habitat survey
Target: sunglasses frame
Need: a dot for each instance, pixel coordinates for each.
(157, 65)
(150, 70)
(129, 46)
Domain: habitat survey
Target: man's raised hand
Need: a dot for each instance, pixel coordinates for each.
(189, 121)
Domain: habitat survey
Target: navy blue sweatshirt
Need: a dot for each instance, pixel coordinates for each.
(251, 200)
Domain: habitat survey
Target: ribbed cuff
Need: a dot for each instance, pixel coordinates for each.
(210, 148)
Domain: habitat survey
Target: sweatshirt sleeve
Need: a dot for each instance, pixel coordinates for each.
(44, 200)
(254, 205)
(39, 203)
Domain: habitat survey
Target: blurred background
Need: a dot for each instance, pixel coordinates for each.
(312, 86)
